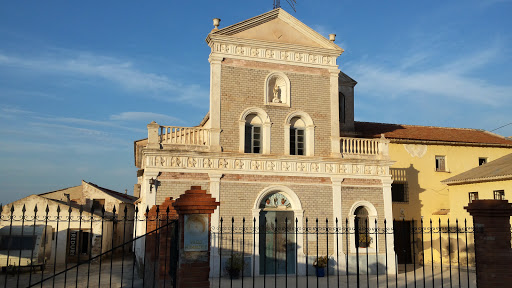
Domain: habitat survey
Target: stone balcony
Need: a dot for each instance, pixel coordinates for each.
(199, 139)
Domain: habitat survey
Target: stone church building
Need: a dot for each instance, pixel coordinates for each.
(278, 143)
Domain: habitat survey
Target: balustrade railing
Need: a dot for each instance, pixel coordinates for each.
(184, 135)
(362, 146)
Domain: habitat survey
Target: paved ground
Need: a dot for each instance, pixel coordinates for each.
(269, 281)
(70, 281)
(392, 281)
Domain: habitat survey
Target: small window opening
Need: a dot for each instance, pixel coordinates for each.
(499, 194)
(482, 161)
(473, 196)
(440, 163)
(399, 192)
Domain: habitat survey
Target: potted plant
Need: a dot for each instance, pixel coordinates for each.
(365, 240)
(320, 264)
(234, 265)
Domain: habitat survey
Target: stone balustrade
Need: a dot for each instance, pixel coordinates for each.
(159, 135)
(184, 135)
(364, 147)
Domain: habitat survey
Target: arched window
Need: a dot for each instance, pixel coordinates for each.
(297, 136)
(361, 224)
(277, 89)
(254, 131)
(362, 216)
(253, 134)
(299, 133)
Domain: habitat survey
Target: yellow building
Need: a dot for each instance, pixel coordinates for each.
(490, 181)
(424, 158)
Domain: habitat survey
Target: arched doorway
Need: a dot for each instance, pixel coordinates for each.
(277, 247)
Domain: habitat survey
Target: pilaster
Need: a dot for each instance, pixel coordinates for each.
(335, 117)
(215, 90)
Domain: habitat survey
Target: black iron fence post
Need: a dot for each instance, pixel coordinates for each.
(23, 210)
(56, 246)
(33, 236)
(135, 224)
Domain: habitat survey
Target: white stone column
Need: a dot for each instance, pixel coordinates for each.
(337, 214)
(214, 248)
(335, 117)
(388, 214)
(215, 79)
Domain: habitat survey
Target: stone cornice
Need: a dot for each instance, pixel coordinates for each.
(276, 165)
(258, 50)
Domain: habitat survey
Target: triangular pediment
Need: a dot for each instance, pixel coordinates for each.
(277, 26)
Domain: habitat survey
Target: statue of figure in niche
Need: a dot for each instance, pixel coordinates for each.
(277, 96)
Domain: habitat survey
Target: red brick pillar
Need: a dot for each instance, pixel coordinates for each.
(194, 208)
(493, 253)
(165, 237)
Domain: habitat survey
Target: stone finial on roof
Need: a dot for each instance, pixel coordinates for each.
(332, 37)
(216, 22)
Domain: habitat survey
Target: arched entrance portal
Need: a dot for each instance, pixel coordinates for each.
(277, 247)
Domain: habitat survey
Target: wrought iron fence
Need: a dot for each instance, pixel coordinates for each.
(94, 248)
(355, 252)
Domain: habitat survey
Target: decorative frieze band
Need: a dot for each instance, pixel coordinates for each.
(273, 53)
(253, 165)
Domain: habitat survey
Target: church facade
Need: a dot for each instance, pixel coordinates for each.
(276, 144)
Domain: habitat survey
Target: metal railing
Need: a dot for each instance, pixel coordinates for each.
(291, 260)
(79, 248)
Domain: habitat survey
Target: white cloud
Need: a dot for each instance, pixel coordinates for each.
(145, 116)
(448, 80)
(122, 73)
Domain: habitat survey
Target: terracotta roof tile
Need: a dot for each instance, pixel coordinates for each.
(429, 133)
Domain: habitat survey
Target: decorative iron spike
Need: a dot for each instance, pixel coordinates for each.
(70, 210)
(81, 209)
(103, 210)
(136, 209)
(125, 209)
(12, 209)
(47, 210)
(167, 210)
(114, 209)
(35, 208)
(147, 209)
(58, 209)
(157, 209)
(92, 209)
(232, 219)
(23, 209)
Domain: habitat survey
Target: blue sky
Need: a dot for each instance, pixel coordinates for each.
(80, 80)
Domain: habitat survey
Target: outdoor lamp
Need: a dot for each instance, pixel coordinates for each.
(151, 183)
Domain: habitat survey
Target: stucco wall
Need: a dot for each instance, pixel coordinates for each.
(426, 192)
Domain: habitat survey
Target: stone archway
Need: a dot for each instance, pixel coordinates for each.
(275, 209)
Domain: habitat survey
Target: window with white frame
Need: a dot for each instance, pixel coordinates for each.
(253, 134)
(297, 136)
(254, 128)
(473, 196)
(499, 194)
(299, 132)
(441, 163)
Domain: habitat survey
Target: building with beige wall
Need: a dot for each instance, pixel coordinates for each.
(270, 145)
(73, 222)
